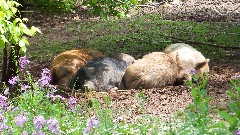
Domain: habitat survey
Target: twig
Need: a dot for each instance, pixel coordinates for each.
(201, 43)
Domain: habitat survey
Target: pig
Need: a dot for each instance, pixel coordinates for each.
(188, 59)
(102, 74)
(154, 70)
(65, 65)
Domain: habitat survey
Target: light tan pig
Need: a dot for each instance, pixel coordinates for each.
(188, 59)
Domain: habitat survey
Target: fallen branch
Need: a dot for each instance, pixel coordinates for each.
(202, 43)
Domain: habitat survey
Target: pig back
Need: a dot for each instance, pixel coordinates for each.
(152, 71)
(102, 74)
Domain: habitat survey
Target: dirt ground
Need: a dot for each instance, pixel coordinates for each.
(165, 101)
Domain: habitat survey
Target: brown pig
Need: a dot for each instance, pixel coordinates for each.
(152, 71)
(66, 64)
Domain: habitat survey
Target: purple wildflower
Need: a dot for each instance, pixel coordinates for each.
(6, 91)
(25, 87)
(236, 77)
(39, 121)
(3, 126)
(3, 101)
(56, 96)
(193, 71)
(38, 133)
(20, 120)
(23, 61)
(15, 109)
(53, 88)
(92, 122)
(53, 125)
(237, 132)
(3, 121)
(13, 80)
(24, 132)
(46, 77)
(9, 131)
(72, 104)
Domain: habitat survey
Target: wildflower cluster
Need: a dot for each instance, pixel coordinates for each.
(72, 104)
(55, 97)
(3, 101)
(21, 119)
(92, 123)
(53, 125)
(38, 122)
(13, 80)
(23, 62)
(45, 79)
(3, 121)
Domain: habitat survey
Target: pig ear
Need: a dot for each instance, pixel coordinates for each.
(177, 58)
(200, 65)
(179, 64)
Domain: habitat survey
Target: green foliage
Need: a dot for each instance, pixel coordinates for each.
(198, 119)
(233, 116)
(52, 6)
(104, 8)
(13, 31)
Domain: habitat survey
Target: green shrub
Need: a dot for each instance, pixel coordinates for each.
(105, 8)
(233, 115)
(197, 119)
(51, 6)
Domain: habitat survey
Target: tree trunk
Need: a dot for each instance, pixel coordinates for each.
(4, 65)
(14, 51)
(13, 62)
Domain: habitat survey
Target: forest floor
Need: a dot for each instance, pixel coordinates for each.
(161, 102)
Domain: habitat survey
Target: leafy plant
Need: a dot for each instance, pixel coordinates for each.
(37, 110)
(51, 6)
(13, 37)
(198, 112)
(198, 120)
(233, 116)
(104, 8)
(141, 98)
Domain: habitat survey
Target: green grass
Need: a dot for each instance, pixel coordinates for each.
(140, 35)
(136, 36)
